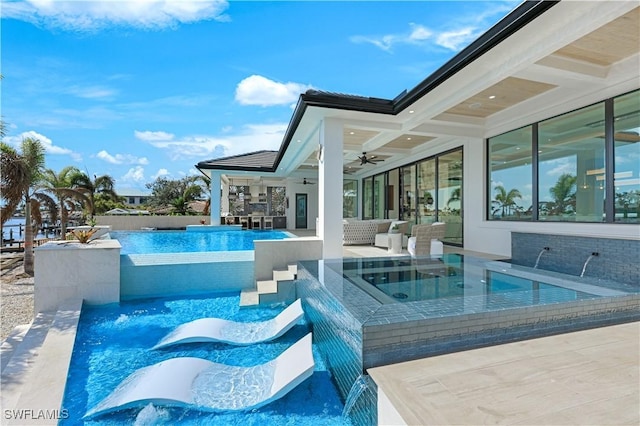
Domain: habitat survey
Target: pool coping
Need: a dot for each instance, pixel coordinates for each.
(34, 380)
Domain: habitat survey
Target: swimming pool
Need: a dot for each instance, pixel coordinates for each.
(143, 242)
(374, 312)
(115, 340)
(411, 280)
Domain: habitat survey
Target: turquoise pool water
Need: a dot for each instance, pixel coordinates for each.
(114, 340)
(142, 242)
(401, 280)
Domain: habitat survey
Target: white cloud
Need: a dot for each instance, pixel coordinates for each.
(135, 174)
(47, 143)
(121, 158)
(420, 35)
(454, 36)
(457, 40)
(561, 166)
(149, 136)
(92, 92)
(258, 90)
(252, 138)
(96, 15)
(160, 172)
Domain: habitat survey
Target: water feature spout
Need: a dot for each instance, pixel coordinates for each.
(544, 249)
(591, 256)
(363, 383)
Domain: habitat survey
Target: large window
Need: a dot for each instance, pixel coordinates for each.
(408, 195)
(510, 175)
(450, 195)
(424, 192)
(582, 166)
(626, 110)
(367, 198)
(427, 194)
(350, 198)
(379, 197)
(571, 166)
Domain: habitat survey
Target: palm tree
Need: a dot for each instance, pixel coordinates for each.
(21, 173)
(505, 200)
(564, 193)
(99, 185)
(60, 185)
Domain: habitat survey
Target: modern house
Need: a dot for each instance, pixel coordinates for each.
(133, 197)
(533, 128)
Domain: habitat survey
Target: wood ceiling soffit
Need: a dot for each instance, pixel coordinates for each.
(508, 92)
(609, 44)
(358, 137)
(405, 143)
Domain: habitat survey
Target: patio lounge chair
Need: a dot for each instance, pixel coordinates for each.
(422, 235)
(232, 332)
(200, 384)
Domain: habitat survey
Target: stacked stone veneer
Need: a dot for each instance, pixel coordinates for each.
(618, 259)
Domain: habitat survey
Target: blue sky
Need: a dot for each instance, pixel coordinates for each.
(141, 89)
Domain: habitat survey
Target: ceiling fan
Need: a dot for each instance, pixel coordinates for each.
(364, 159)
(306, 182)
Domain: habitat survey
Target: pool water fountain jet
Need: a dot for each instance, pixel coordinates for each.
(363, 383)
(591, 256)
(544, 249)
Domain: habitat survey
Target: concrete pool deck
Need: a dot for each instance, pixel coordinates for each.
(585, 377)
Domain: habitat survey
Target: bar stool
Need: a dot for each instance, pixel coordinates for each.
(268, 222)
(256, 222)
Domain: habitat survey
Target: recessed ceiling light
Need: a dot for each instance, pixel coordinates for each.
(492, 97)
(352, 133)
(298, 141)
(408, 138)
(517, 148)
(411, 111)
(475, 105)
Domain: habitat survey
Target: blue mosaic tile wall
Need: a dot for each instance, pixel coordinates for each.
(617, 260)
(338, 334)
(360, 332)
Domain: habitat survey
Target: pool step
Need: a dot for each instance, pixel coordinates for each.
(281, 288)
(17, 367)
(36, 373)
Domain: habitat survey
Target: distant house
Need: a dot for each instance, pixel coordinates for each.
(133, 197)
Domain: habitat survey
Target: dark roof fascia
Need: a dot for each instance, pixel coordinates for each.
(347, 102)
(509, 25)
(235, 168)
(203, 165)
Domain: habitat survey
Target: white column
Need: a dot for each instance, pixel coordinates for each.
(215, 198)
(330, 188)
(224, 201)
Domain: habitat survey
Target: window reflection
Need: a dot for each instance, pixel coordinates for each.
(627, 157)
(427, 191)
(449, 198)
(571, 152)
(511, 175)
(367, 197)
(408, 196)
(378, 197)
(350, 198)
